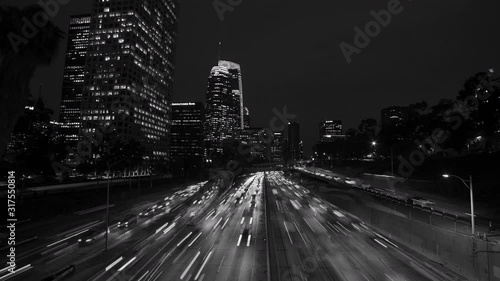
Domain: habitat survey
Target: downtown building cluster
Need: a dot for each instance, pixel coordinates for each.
(118, 80)
(117, 111)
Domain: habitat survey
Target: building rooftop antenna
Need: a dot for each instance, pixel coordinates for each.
(218, 51)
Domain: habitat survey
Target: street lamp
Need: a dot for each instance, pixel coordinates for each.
(469, 186)
(374, 143)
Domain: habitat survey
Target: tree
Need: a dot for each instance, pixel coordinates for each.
(18, 62)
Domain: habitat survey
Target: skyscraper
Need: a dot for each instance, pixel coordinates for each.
(236, 86)
(329, 129)
(222, 110)
(73, 77)
(246, 118)
(294, 143)
(130, 71)
(277, 146)
(187, 130)
(256, 140)
(186, 143)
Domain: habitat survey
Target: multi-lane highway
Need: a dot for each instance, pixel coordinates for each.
(314, 240)
(264, 227)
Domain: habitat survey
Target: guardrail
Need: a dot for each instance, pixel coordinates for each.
(480, 220)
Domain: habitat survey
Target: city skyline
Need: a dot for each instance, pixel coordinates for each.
(335, 72)
(250, 140)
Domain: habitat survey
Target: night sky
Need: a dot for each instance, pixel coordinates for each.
(290, 55)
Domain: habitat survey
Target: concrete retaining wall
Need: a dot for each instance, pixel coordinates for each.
(473, 258)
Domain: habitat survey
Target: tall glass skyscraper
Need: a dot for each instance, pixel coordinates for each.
(294, 143)
(236, 83)
(73, 77)
(222, 109)
(130, 71)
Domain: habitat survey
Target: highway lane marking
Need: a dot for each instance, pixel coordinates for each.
(215, 226)
(218, 269)
(225, 223)
(320, 225)
(248, 240)
(127, 264)
(187, 236)
(343, 227)
(209, 215)
(88, 225)
(190, 264)
(301, 236)
(14, 273)
(113, 263)
(309, 225)
(161, 228)
(395, 273)
(242, 220)
(251, 220)
(68, 237)
(333, 227)
(239, 240)
(189, 245)
(53, 249)
(383, 245)
(143, 275)
(169, 228)
(284, 223)
(387, 240)
(203, 265)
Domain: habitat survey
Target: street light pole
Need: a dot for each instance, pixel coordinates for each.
(392, 162)
(107, 208)
(471, 204)
(469, 186)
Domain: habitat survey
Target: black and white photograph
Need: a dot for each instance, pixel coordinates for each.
(249, 140)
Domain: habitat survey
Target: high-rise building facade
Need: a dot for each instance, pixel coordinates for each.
(187, 130)
(246, 118)
(256, 140)
(236, 84)
(329, 129)
(277, 146)
(130, 71)
(73, 77)
(294, 143)
(186, 142)
(222, 110)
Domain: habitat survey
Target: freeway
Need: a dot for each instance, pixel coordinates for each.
(265, 227)
(220, 239)
(315, 240)
(76, 246)
(440, 206)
